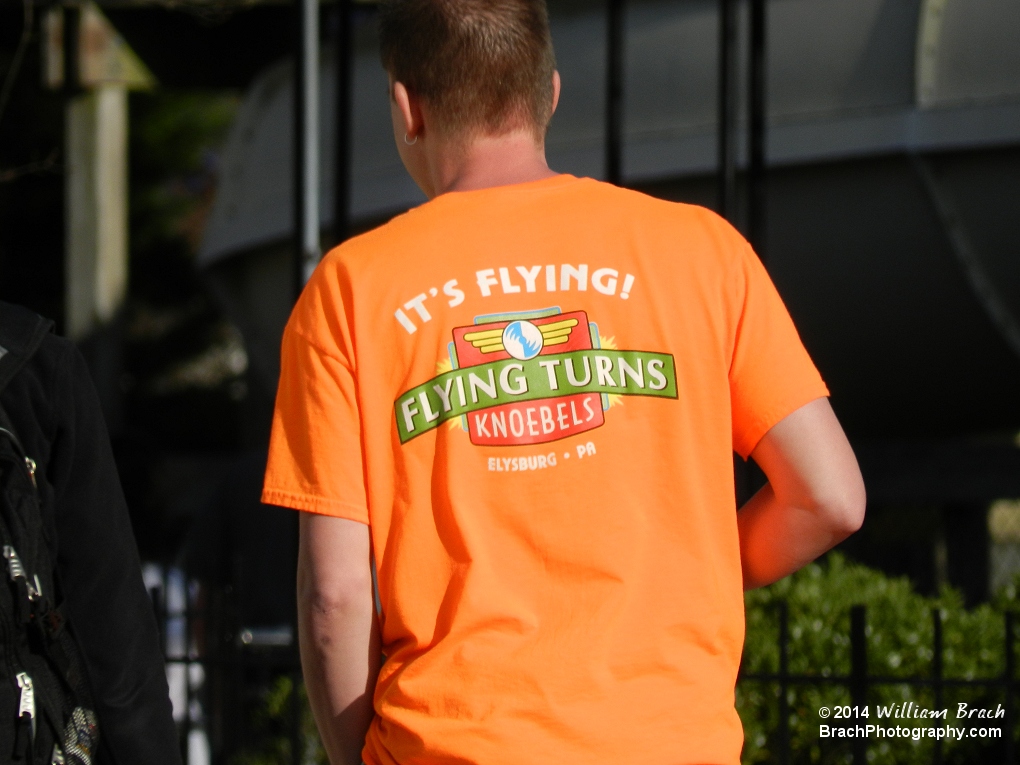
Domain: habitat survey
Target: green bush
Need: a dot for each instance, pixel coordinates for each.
(900, 635)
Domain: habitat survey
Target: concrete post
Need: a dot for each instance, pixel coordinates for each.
(83, 54)
(96, 204)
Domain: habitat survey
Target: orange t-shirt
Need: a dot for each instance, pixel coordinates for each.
(532, 394)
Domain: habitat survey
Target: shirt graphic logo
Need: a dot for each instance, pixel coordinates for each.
(522, 339)
(518, 379)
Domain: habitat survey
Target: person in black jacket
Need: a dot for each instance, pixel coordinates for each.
(54, 407)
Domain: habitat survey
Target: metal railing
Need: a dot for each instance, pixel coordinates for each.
(860, 680)
(220, 673)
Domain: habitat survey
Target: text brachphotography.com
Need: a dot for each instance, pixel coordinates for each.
(909, 720)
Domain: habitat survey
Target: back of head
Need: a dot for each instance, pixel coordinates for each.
(483, 67)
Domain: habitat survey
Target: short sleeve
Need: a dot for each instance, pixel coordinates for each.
(315, 450)
(771, 374)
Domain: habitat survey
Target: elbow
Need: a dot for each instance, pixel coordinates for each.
(324, 601)
(321, 605)
(843, 510)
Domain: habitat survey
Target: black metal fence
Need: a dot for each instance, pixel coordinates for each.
(220, 674)
(860, 680)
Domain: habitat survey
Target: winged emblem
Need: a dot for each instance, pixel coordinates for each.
(522, 339)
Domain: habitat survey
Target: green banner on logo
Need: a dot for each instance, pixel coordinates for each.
(461, 391)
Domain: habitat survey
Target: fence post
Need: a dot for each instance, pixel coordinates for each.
(727, 110)
(296, 739)
(157, 611)
(936, 671)
(858, 675)
(784, 683)
(615, 18)
(1010, 674)
(187, 668)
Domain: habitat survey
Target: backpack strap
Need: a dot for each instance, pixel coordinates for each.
(21, 334)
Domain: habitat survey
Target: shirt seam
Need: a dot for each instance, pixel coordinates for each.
(310, 502)
(316, 346)
(777, 411)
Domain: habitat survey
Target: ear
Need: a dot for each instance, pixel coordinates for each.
(409, 107)
(556, 92)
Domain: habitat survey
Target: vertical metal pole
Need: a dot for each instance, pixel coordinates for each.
(757, 131)
(306, 219)
(727, 106)
(936, 671)
(859, 675)
(306, 143)
(614, 91)
(239, 721)
(344, 76)
(157, 612)
(784, 683)
(186, 657)
(296, 747)
(1010, 674)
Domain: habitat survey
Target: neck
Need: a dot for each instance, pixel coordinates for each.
(485, 162)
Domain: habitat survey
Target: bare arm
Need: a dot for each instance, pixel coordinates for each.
(813, 501)
(338, 631)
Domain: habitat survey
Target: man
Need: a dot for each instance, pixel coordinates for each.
(48, 396)
(517, 404)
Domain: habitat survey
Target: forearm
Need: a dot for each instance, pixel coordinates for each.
(778, 538)
(340, 656)
(814, 499)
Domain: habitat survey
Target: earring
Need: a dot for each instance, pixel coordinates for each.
(410, 143)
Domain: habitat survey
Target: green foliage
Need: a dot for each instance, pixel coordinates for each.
(272, 724)
(900, 635)
(183, 377)
(176, 137)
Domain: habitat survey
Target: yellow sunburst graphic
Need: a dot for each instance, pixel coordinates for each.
(609, 343)
(442, 367)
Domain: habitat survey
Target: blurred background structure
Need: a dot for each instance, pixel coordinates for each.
(149, 202)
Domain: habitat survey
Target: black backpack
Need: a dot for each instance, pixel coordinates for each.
(46, 709)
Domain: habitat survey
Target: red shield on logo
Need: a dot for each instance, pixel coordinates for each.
(524, 338)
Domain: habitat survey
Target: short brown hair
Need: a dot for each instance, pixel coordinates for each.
(483, 66)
